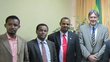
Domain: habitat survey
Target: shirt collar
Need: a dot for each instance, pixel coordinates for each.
(39, 41)
(10, 38)
(94, 26)
(64, 33)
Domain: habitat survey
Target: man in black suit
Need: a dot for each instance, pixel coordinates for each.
(40, 49)
(68, 51)
(106, 57)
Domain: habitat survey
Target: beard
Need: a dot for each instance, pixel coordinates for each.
(64, 30)
(42, 37)
(12, 33)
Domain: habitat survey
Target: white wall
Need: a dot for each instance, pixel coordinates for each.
(33, 12)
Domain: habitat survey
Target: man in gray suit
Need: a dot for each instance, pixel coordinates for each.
(12, 47)
(40, 49)
(92, 38)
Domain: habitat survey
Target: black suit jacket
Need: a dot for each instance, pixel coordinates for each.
(35, 54)
(73, 52)
(106, 56)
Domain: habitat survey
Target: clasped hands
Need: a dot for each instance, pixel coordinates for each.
(92, 58)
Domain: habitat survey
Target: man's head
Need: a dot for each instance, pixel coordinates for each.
(93, 17)
(42, 30)
(12, 24)
(65, 24)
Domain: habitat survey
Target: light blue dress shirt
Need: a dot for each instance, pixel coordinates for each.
(46, 47)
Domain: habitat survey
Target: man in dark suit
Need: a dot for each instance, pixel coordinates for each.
(66, 42)
(12, 47)
(106, 57)
(40, 49)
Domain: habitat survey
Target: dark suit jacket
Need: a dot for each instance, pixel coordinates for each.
(6, 53)
(106, 56)
(35, 54)
(74, 52)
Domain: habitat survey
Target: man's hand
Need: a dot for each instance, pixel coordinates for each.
(92, 58)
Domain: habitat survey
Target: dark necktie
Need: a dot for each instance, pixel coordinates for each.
(93, 36)
(44, 57)
(65, 46)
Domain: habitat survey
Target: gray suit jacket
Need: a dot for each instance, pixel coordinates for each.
(5, 50)
(85, 41)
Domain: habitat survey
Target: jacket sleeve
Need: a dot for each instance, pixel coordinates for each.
(106, 38)
(78, 50)
(84, 50)
(26, 55)
(107, 52)
(54, 55)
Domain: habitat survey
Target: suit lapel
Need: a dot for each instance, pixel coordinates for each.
(69, 38)
(50, 48)
(98, 34)
(58, 37)
(6, 43)
(37, 49)
(69, 41)
(89, 33)
(19, 45)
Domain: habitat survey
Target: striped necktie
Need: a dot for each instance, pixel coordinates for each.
(93, 36)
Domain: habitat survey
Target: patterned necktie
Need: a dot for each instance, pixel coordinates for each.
(93, 36)
(44, 57)
(65, 46)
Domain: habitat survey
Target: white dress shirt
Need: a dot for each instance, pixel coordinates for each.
(96, 27)
(61, 46)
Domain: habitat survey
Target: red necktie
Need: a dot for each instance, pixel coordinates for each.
(44, 57)
(65, 46)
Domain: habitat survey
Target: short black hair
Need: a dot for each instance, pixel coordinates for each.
(63, 19)
(41, 24)
(93, 11)
(12, 17)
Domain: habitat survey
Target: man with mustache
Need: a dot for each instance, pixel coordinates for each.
(12, 47)
(66, 43)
